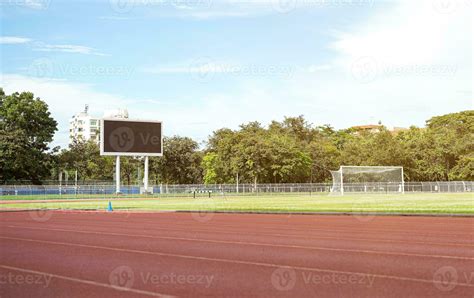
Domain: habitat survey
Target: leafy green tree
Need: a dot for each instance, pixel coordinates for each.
(26, 129)
(441, 151)
(288, 163)
(131, 169)
(325, 157)
(227, 163)
(209, 166)
(181, 162)
(84, 157)
(452, 135)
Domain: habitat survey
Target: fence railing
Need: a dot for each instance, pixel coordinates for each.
(108, 189)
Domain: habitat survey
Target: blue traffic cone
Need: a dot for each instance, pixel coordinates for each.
(110, 209)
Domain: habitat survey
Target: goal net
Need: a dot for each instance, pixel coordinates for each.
(371, 179)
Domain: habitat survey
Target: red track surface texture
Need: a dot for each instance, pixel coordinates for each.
(181, 254)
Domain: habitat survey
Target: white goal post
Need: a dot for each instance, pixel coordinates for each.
(368, 179)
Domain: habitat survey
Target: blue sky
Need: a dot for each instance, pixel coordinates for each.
(200, 65)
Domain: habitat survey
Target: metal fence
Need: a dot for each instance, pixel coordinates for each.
(108, 189)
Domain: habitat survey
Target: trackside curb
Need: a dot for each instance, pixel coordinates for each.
(244, 212)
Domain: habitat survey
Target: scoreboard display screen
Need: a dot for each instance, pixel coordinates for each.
(124, 137)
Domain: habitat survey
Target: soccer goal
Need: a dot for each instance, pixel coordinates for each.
(369, 179)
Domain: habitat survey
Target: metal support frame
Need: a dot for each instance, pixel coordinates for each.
(403, 182)
(342, 183)
(145, 178)
(117, 174)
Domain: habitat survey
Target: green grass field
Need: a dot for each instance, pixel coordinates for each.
(426, 203)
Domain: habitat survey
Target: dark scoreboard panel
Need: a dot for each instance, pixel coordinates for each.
(131, 137)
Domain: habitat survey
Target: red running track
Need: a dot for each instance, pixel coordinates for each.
(193, 255)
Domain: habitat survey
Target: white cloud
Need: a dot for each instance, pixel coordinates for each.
(412, 32)
(44, 47)
(14, 40)
(199, 66)
(68, 49)
(402, 65)
(196, 9)
(33, 4)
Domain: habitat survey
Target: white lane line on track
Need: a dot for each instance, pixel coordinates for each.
(343, 230)
(316, 237)
(254, 244)
(332, 230)
(268, 265)
(88, 282)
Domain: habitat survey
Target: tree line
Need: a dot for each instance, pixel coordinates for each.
(288, 151)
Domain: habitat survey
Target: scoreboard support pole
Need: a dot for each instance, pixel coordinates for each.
(117, 174)
(145, 178)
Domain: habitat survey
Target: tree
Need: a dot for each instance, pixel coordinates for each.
(209, 166)
(227, 163)
(180, 163)
(452, 135)
(84, 157)
(441, 151)
(288, 163)
(325, 157)
(26, 129)
(129, 168)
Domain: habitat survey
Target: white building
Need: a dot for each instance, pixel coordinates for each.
(83, 126)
